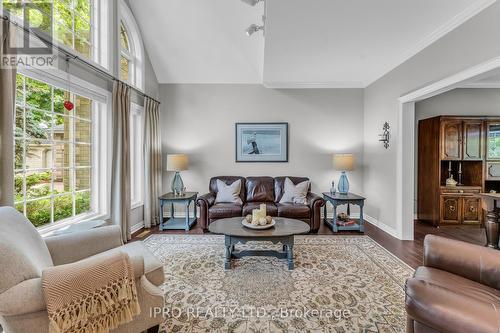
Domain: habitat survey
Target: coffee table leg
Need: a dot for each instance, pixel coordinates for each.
(289, 253)
(227, 258)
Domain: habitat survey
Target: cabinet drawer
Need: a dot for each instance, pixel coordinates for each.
(471, 210)
(450, 209)
(469, 191)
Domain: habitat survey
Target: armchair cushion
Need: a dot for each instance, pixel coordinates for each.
(473, 262)
(68, 248)
(142, 260)
(23, 298)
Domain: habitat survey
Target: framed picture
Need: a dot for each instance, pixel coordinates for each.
(261, 142)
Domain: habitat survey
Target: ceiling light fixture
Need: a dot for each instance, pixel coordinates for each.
(253, 28)
(252, 2)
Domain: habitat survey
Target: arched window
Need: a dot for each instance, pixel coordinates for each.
(131, 55)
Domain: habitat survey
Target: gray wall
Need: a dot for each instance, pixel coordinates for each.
(472, 43)
(457, 102)
(200, 120)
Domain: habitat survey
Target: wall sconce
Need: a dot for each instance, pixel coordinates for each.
(386, 135)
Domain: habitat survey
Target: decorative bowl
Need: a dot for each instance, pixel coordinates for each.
(258, 227)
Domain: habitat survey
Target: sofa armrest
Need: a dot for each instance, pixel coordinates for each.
(25, 297)
(68, 248)
(205, 202)
(315, 202)
(474, 262)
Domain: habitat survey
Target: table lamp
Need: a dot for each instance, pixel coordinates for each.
(343, 163)
(177, 163)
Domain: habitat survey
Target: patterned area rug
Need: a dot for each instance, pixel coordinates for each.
(339, 284)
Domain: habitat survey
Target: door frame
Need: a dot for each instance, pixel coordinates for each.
(405, 171)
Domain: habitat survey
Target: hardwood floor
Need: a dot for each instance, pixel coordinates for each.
(411, 252)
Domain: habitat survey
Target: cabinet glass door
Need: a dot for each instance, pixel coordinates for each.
(494, 141)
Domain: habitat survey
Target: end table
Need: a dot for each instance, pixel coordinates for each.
(174, 223)
(338, 199)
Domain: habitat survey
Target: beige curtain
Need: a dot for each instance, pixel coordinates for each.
(152, 162)
(7, 103)
(120, 174)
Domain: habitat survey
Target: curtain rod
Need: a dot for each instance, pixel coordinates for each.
(72, 56)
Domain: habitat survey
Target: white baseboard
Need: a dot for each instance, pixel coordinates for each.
(136, 227)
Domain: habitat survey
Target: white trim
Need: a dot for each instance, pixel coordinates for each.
(382, 226)
(468, 13)
(137, 154)
(406, 139)
(482, 85)
(313, 85)
(136, 227)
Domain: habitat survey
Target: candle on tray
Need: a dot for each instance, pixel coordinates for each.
(255, 214)
(263, 209)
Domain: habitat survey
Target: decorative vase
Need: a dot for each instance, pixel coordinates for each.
(177, 184)
(333, 190)
(343, 184)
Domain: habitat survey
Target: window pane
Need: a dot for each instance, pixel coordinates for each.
(62, 14)
(62, 181)
(38, 212)
(82, 131)
(38, 94)
(82, 179)
(82, 202)
(124, 38)
(38, 155)
(38, 184)
(20, 89)
(39, 17)
(82, 8)
(13, 7)
(83, 46)
(124, 69)
(63, 207)
(18, 186)
(38, 124)
(64, 35)
(82, 155)
(62, 128)
(82, 27)
(19, 123)
(83, 107)
(18, 154)
(20, 207)
(62, 155)
(60, 96)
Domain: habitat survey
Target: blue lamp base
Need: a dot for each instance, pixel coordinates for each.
(177, 183)
(343, 184)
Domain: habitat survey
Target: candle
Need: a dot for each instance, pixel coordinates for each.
(263, 209)
(255, 214)
(449, 165)
(460, 167)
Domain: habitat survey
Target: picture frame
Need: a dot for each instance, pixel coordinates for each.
(261, 142)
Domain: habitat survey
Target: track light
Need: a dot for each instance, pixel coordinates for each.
(253, 28)
(252, 2)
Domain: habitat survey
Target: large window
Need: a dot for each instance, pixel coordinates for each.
(74, 22)
(53, 153)
(136, 155)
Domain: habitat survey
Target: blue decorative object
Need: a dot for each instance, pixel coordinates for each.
(343, 183)
(177, 183)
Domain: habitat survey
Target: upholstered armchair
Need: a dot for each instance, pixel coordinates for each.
(24, 255)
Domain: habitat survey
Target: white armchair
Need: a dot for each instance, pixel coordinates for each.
(24, 255)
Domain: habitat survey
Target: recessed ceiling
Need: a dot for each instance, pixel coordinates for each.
(307, 43)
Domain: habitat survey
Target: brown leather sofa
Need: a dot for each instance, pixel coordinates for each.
(257, 190)
(456, 291)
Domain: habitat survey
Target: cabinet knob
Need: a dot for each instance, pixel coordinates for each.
(472, 208)
(452, 208)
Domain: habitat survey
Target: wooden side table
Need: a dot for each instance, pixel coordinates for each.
(344, 199)
(174, 223)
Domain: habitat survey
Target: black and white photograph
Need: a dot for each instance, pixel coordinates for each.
(261, 142)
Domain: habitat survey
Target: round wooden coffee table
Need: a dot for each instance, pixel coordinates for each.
(235, 233)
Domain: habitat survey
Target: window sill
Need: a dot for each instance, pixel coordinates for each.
(48, 229)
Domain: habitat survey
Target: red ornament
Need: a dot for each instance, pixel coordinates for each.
(68, 105)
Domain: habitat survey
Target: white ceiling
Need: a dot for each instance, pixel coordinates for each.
(308, 43)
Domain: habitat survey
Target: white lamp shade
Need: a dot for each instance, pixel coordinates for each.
(343, 162)
(177, 162)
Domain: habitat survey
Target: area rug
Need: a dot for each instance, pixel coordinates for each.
(339, 284)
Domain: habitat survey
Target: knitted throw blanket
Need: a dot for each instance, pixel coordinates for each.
(93, 295)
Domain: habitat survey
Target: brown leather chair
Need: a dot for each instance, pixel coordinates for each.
(456, 291)
(254, 192)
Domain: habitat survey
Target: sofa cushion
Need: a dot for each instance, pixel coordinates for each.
(271, 208)
(446, 307)
(224, 210)
(153, 268)
(279, 185)
(228, 180)
(293, 211)
(228, 193)
(260, 189)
